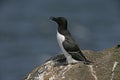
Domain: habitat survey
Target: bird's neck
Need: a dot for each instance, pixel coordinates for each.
(62, 29)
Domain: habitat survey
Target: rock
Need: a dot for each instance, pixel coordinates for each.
(106, 66)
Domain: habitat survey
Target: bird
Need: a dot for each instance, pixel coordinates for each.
(67, 44)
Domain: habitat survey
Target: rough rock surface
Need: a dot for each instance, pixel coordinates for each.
(106, 66)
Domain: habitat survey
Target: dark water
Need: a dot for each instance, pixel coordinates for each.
(28, 37)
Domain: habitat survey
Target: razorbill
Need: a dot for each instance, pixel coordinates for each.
(67, 44)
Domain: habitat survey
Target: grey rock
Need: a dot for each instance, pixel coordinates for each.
(106, 66)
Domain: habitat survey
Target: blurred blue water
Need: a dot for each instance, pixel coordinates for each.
(28, 37)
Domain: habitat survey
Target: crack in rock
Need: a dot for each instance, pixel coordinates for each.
(93, 72)
(114, 66)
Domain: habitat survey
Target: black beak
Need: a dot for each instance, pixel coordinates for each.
(53, 18)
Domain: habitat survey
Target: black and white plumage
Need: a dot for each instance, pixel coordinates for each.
(67, 44)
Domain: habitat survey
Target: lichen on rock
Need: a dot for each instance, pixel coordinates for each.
(106, 66)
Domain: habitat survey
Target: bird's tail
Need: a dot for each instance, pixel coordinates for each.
(85, 60)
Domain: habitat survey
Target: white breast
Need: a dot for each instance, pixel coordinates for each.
(61, 39)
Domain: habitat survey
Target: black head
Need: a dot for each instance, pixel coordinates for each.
(61, 21)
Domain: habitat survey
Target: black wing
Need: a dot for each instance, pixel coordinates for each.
(72, 48)
(70, 45)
